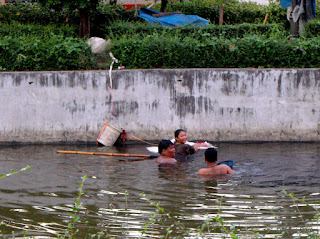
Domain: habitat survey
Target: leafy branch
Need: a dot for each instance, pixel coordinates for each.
(14, 172)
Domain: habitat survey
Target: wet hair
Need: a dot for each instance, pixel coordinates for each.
(211, 155)
(164, 144)
(177, 132)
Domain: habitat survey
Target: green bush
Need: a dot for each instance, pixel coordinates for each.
(160, 51)
(35, 54)
(107, 14)
(16, 29)
(313, 28)
(34, 13)
(128, 29)
(235, 12)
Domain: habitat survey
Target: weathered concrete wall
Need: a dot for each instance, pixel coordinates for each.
(212, 104)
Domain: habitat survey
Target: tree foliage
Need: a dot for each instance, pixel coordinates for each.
(84, 7)
(70, 4)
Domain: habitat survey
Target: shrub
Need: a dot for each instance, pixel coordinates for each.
(36, 14)
(119, 29)
(55, 53)
(107, 14)
(313, 28)
(235, 12)
(16, 29)
(161, 51)
(33, 13)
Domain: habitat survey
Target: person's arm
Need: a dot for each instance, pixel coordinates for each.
(191, 149)
(229, 170)
(223, 169)
(196, 146)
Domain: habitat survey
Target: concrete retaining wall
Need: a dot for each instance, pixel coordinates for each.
(212, 104)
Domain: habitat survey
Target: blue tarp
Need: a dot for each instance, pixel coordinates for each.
(286, 3)
(309, 7)
(172, 20)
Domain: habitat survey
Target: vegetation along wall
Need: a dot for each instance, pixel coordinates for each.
(212, 104)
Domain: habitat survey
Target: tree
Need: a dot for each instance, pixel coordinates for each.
(84, 7)
(164, 4)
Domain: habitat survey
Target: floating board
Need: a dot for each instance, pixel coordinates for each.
(228, 162)
(202, 145)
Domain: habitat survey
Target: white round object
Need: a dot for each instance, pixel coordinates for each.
(98, 45)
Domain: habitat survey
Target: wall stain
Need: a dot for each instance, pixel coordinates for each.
(71, 79)
(297, 80)
(203, 105)
(279, 89)
(185, 105)
(44, 80)
(83, 81)
(188, 80)
(73, 107)
(17, 79)
(155, 104)
(56, 80)
(107, 100)
(123, 107)
(306, 79)
(243, 89)
(231, 82)
(94, 82)
(126, 77)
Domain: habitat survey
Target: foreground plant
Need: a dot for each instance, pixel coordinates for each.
(75, 218)
(14, 172)
(161, 216)
(8, 175)
(157, 217)
(306, 229)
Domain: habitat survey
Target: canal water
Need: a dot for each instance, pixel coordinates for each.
(132, 199)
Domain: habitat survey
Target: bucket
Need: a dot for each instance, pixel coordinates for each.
(108, 134)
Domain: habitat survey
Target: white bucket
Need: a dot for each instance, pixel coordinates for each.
(108, 134)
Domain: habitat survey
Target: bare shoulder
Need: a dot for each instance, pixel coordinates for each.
(223, 169)
(217, 170)
(162, 160)
(205, 171)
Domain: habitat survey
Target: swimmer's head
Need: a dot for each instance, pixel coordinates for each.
(211, 155)
(164, 145)
(180, 136)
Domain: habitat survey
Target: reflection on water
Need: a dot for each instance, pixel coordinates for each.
(40, 200)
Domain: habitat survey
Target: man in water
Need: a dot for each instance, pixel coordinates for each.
(211, 157)
(167, 152)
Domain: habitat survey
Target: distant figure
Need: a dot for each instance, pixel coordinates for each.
(167, 152)
(211, 157)
(183, 149)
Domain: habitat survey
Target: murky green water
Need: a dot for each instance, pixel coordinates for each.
(39, 200)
